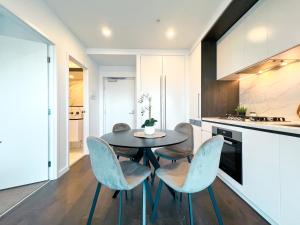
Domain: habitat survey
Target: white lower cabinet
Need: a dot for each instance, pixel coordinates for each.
(205, 135)
(197, 137)
(271, 173)
(290, 180)
(261, 179)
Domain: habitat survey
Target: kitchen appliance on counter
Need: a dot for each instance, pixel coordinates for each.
(76, 117)
(254, 118)
(76, 112)
(231, 155)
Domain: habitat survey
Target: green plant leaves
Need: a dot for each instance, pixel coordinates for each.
(149, 123)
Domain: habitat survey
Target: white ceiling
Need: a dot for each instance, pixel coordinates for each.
(114, 60)
(133, 22)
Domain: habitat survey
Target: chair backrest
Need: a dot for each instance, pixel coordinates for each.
(121, 127)
(105, 164)
(187, 145)
(204, 167)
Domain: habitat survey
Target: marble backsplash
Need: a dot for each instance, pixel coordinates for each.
(274, 93)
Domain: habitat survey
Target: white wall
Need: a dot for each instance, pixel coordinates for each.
(38, 15)
(111, 71)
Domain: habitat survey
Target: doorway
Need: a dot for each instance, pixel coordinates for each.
(119, 102)
(76, 112)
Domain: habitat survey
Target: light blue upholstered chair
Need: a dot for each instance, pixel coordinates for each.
(194, 177)
(115, 175)
(182, 150)
(122, 151)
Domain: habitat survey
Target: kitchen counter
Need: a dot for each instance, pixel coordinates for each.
(273, 127)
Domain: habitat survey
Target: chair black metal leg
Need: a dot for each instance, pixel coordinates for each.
(190, 209)
(144, 222)
(120, 208)
(155, 205)
(149, 193)
(189, 159)
(126, 195)
(118, 156)
(153, 177)
(158, 158)
(89, 222)
(116, 194)
(214, 202)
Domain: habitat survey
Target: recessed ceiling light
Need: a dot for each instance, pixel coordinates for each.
(170, 34)
(106, 32)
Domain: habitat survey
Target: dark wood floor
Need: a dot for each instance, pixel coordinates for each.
(68, 199)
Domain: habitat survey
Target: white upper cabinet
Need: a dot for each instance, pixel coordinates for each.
(255, 35)
(269, 28)
(283, 25)
(230, 51)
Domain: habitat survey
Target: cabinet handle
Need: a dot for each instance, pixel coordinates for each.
(160, 96)
(165, 103)
(198, 102)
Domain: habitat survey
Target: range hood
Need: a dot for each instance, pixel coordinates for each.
(273, 63)
(267, 65)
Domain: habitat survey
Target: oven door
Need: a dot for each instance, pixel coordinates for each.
(231, 159)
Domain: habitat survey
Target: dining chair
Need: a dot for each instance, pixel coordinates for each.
(122, 151)
(193, 177)
(115, 175)
(182, 150)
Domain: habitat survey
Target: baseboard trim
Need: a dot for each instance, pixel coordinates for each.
(63, 171)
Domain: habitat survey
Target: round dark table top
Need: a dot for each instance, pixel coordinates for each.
(126, 139)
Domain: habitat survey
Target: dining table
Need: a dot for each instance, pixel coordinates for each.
(127, 139)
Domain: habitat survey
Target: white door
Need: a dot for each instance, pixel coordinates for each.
(24, 112)
(119, 102)
(152, 83)
(174, 73)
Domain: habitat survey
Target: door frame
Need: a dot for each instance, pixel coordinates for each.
(103, 94)
(85, 103)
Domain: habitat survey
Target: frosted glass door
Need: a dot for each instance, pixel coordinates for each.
(24, 112)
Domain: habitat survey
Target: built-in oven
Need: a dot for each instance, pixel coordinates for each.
(231, 156)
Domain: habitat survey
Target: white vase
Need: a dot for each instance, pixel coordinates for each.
(149, 130)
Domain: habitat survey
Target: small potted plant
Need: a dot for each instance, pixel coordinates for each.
(150, 122)
(241, 110)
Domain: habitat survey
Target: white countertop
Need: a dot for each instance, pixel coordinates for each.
(272, 126)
